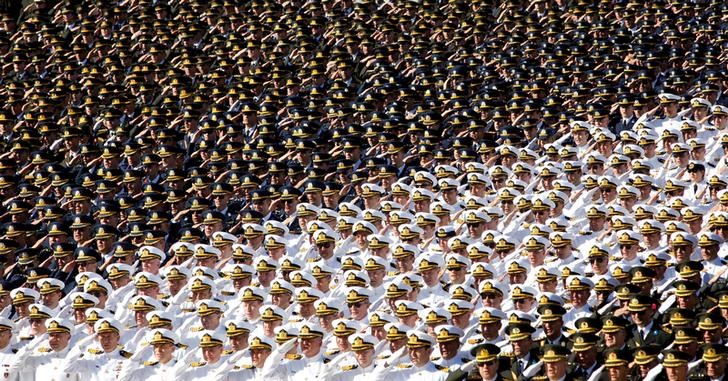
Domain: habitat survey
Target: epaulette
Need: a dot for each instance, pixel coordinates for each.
(585, 233)
(248, 366)
(125, 354)
(442, 368)
(188, 310)
(383, 357)
(475, 341)
(392, 273)
(312, 260)
(181, 346)
(507, 354)
(294, 356)
(44, 350)
(163, 296)
(295, 319)
(95, 351)
(404, 366)
(331, 353)
(25, 338)
(434, 358)
(667, 329)
(227, 293)
(347, 368)
(198, 364)
(197, 329)
(228, 352)
(150, 363)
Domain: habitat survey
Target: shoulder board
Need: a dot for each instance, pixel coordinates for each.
(227, 293)
(95, 351)
(150, 363)
(666, 329)
(25, 338)
(475, 341)
(507, 354)
(188, 310)
(585, 233)
(248, 366)
(295, 319)
(404, 366)
(442, 368)
(294, 356)
(198, 364)
(125, 354)
(331, 353)
(392, 273)
(181, 346)
(349, 367)
(163, 296)
(434, 358)
(227, 352)
(196, 329)
(44, 350)
(382, 357)
(312, 260)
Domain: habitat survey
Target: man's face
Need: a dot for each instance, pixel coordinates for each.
(553, 328)
(579, 297)
(614, 339)
(258, 356)
(617, 373)
(58, 341)
(521, 347)
(211, 321)
(641, 317)
(555, 370)
(163, 352)
(677, 373)
(365, 357)
(212, 354)
(449, 349)
(239, 342)
(420, 356)
(310, 347)
(715, 369)
(108, 340)
(358, 310)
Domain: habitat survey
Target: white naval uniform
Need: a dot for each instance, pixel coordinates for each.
(407, 372)
(95, 364)
(199, 370)
(43, 364)
(7, 356)
(148, 371)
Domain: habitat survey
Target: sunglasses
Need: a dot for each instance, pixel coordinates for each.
(596, 260)
(487, 363)
(626, 246)
(357, 304)
(323, 245)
